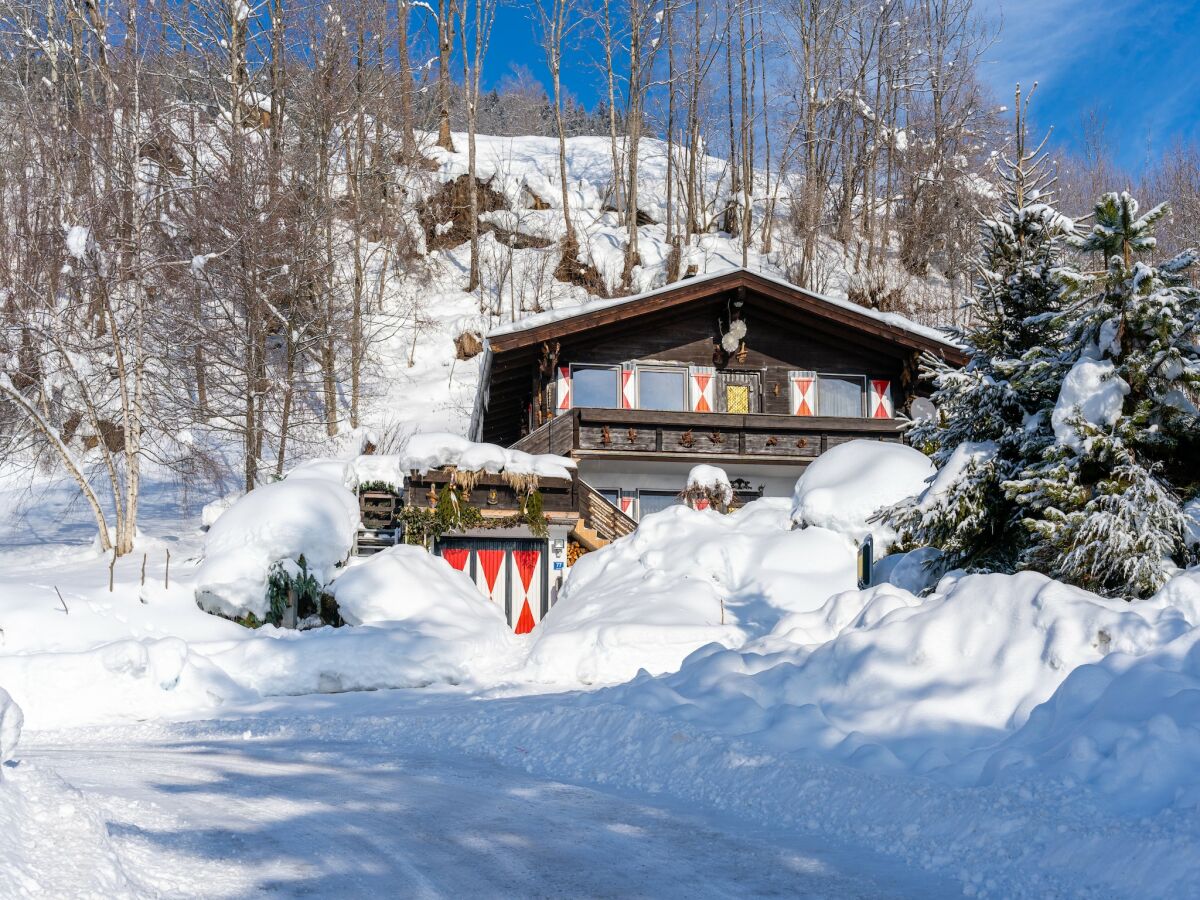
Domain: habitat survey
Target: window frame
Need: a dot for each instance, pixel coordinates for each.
(683, 370)
(864, 400)
(615, 401)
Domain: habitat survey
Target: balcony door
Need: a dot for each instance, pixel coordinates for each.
(739, 392)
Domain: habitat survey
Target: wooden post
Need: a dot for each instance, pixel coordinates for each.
(143, 582)
(167, 572)
(61, 600)
(111, 565)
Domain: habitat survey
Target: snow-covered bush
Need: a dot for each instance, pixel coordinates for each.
(686, 578)
(275, 524)
(11, 720)
(708, 487)
(844, 488)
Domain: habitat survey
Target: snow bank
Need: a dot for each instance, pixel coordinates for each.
(1091, 391)
(883, 680)
(843, 488)
(684, 579)
(122, 680)
(11, 720)
(1127, 727)
(309, 517)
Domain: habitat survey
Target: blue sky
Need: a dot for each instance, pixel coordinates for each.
(1136, 62)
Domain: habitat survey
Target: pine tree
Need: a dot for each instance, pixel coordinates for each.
(1102, 501)
(985, 426)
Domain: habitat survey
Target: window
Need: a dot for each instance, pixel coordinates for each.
(840, 395)
(595, 386)
(737, 398)
(655, 501)
(612, 495)
(662, 389)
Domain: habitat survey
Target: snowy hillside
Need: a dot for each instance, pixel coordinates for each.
(520, 251)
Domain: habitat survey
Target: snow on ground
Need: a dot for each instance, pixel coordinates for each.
(1017, 736)
(391, 794)
(684, 579)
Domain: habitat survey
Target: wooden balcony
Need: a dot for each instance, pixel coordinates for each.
(652, 434)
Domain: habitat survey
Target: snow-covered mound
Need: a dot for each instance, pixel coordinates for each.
(310, 517)
(843, 488)
(405, 584)
(884, 680)
(126, 679)
(1127, 727)
(684, 579)
(11, 720)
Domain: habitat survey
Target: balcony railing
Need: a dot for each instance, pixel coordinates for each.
(652, 433)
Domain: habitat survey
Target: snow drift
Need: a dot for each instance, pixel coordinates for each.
(684, 579)
(883, 680)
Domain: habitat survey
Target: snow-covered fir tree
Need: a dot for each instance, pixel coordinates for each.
(985, 427)
(1102, 503)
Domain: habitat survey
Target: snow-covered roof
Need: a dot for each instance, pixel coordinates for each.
(892, 320)
(436, 450)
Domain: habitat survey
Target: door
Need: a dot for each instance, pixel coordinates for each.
(738, 392)
(513, 573)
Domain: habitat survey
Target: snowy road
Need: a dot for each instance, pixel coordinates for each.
(199, 813)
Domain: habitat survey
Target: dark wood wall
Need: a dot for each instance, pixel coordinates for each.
(779, 339)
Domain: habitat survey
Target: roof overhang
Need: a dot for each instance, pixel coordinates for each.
(890, 327)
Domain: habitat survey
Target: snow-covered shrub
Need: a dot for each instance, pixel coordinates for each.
(844, 488)
(708, 487)
(312, 518)
(11, 720)
(684, 579)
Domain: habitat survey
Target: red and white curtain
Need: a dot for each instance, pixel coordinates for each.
(803, 392)
(881, 399)
(629, 506)
(562, 390)
(703, 384)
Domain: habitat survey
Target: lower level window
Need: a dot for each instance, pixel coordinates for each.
(841, 395)
(655, 501)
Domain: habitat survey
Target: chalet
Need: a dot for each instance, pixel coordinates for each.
(735, 369)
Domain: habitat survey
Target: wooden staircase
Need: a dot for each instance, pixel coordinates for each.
(600, 522)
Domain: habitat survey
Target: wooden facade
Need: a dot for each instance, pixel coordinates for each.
(789, 332)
